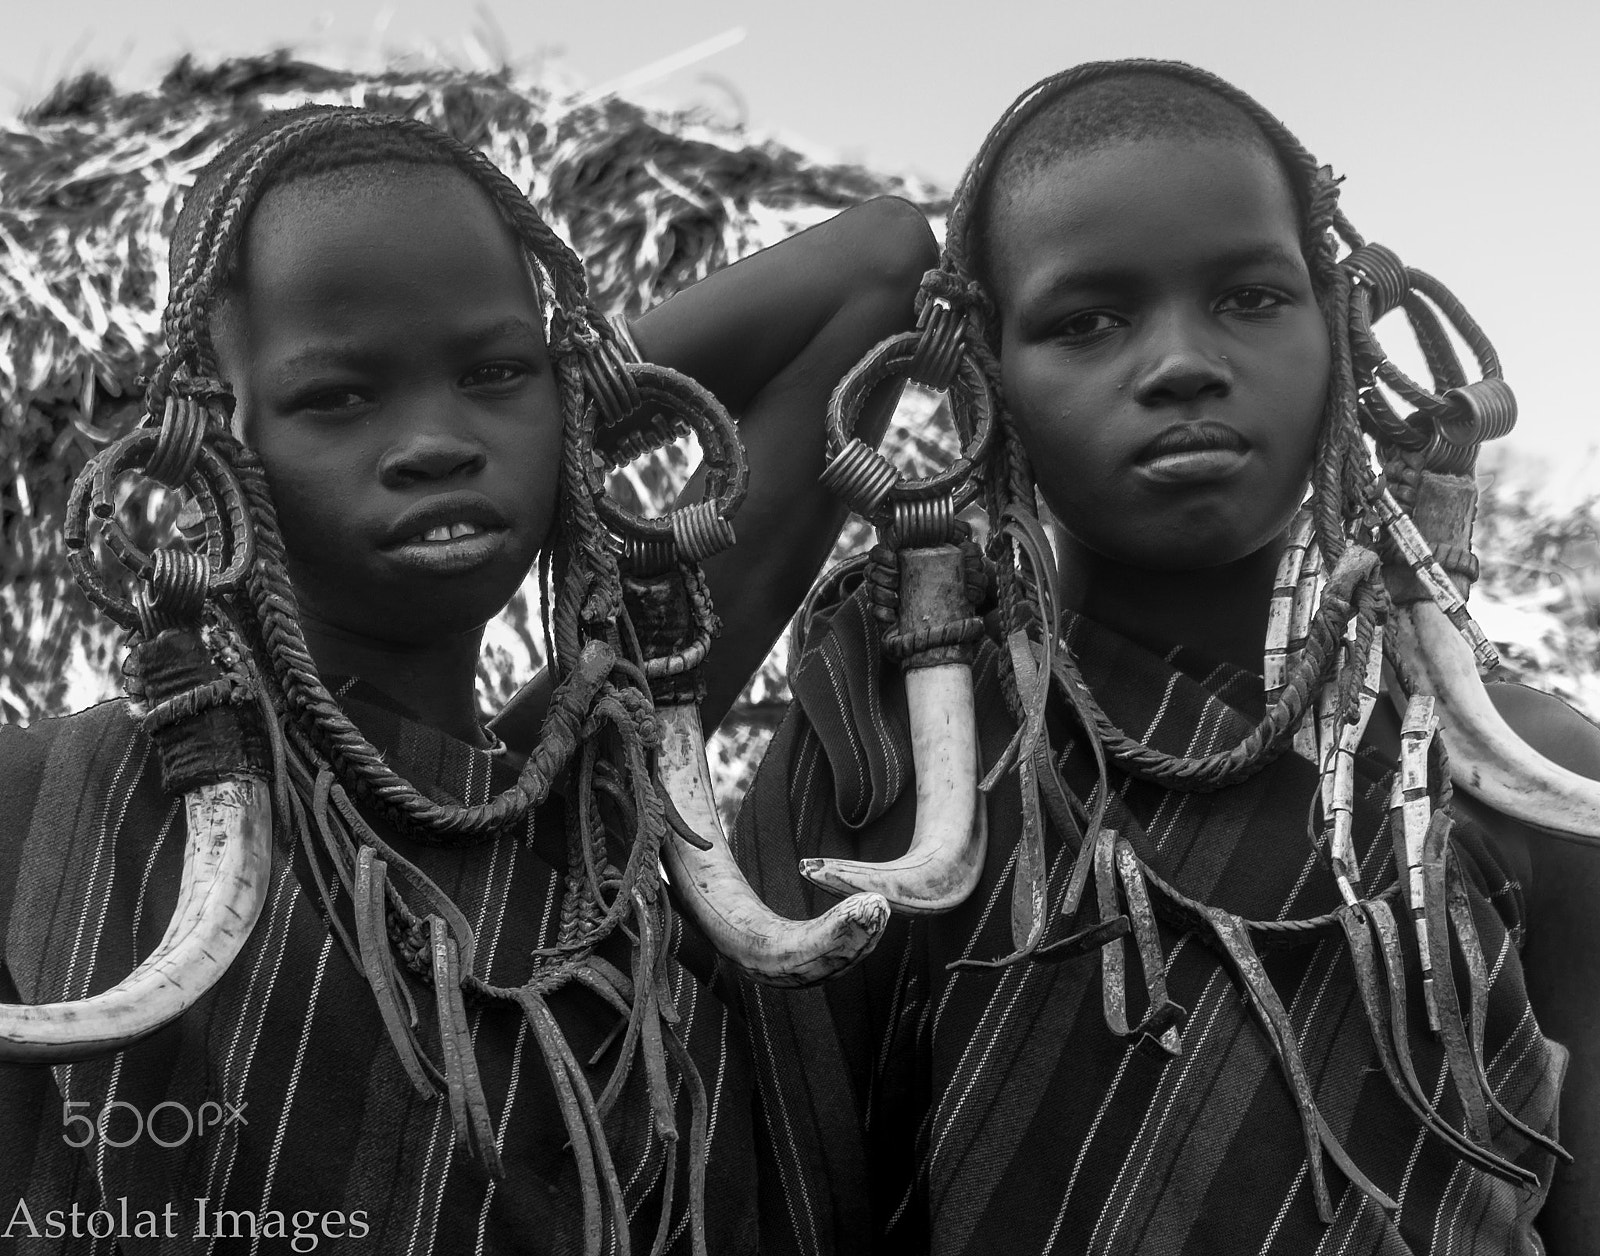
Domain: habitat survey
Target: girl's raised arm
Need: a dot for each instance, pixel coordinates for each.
(772, 336)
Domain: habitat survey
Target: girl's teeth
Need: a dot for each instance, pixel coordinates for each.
(450, 532)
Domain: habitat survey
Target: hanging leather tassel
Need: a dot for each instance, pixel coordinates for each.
(647, 983)
(277, 749)
(469, 1109)
(1466, 929)
(1031, 670)
(1113, 963)
(337, 845)
(1231, 932)
(338, 852)
(1028, 896)
(1029, 542)
(1359, 935)
(435, 901)
(1061, 811)
(585, 1128)
(377, 961)
(1163, 1019)
(1464, 1074)
(699, 1134)
(635, 1009)
(1387, 931)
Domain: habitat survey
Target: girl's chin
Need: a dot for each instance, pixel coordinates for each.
(414, 628)
(1179, 549)
(384, 614)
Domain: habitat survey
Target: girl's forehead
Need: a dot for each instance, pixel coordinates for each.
(407, 219)
(1155, 202)
(422, 254)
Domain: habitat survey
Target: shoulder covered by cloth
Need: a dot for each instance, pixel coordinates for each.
(53, 766)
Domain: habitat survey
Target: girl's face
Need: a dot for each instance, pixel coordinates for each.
(1162, 351)
(387, 352)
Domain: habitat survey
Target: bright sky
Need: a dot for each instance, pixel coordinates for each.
(1468, 130)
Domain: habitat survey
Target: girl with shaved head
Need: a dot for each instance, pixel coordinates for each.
(1226, 946)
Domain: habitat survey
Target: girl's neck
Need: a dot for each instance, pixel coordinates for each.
(1220, 612)
(436, 683)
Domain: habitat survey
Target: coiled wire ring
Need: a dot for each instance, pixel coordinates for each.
(685, 404)
(861, 476)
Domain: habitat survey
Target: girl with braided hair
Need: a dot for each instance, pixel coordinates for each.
(466, 1017)
(1240, 970)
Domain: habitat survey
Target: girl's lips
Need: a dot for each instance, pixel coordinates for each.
(455, 556)
(1193, 466)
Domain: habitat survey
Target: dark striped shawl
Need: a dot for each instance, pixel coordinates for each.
(90, 853)
(992, 1110)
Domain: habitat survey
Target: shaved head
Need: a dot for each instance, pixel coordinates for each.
(1122, 108)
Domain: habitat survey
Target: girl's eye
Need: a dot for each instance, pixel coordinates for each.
(1251, 301)
(1089, 325)
(495, 374)
(332, 401)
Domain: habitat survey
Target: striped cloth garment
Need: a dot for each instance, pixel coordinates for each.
(908, 1107)
(290, 1040)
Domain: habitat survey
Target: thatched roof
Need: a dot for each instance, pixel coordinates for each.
(91, 179)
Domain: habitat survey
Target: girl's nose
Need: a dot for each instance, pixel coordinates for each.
(429, 455)
(1183, 366)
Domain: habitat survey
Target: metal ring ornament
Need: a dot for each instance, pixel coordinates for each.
(941, 333)
(1452, 422)
(1381, 274)
(606, 379)
(182, 432)
(862, 476)
(706, 527)
(1483, 410)
(1449, 459)
(175, 595)
(229, 549)
(921, 522)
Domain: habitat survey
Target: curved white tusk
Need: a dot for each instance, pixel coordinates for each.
(770, 947)
(227, 865)
(1487, 758)
(945, 859)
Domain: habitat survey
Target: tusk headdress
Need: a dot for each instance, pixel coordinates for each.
(198, 695)
(669, 609)
(924, 575)
(1439, 648)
